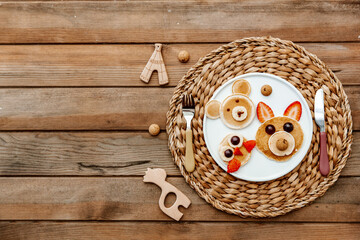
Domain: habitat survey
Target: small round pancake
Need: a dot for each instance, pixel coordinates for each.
(229, 104)
(241, 86)
(246, 155)
(212, 109)
(262, 138)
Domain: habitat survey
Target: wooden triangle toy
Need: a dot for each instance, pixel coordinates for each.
(155, 62)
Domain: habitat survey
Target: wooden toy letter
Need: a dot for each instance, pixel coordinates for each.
(157, 176)
(155, 62)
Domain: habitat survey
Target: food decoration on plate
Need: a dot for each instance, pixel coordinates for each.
(237, 110)
(266, 90)
(235, 150)
(279, 138)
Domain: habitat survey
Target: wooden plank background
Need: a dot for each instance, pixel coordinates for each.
(177, 21)
(74, 114)
(99, 65)
(156, 230)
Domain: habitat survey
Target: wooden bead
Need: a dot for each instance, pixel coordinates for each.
(266, 90)
(183, 56)
(154, 129)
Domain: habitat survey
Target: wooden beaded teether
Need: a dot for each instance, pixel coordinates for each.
(158, 176)
(155, 62)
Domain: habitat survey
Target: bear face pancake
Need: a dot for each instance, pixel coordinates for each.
(237, 110)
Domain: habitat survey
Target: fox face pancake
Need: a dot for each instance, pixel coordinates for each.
(279, 138)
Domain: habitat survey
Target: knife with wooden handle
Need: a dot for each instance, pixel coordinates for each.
(320, 121)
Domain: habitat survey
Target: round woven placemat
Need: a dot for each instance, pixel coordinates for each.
(303, 70)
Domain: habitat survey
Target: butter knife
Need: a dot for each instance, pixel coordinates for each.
(188, 109)
(320, 121)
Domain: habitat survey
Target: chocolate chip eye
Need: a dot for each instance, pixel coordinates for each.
(288, 127)
(228, 109)
(228, 153)
(270, 129)
(235, 140)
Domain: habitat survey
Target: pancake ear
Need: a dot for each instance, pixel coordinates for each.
(241, 86)
(212, 109)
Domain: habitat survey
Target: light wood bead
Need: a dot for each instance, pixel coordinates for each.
(154, 129)
(183, 56)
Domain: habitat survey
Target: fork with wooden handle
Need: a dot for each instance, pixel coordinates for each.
(188, 109)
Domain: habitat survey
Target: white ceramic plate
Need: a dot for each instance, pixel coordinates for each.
(260, 168)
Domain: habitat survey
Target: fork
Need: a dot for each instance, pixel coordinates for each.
(188, 109)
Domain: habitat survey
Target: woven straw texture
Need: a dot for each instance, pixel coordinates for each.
(303, 70)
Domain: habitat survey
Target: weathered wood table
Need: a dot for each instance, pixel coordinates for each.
(74, 115)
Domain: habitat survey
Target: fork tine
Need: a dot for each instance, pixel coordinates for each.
(184, 100)
(192, 101)
(188, 101)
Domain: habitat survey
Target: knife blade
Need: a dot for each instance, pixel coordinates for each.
(319, 109)
(320, 121)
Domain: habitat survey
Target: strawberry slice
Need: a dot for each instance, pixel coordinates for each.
(249, 145)
(233, 165)
(238, 152)
(294, 110)
(264, 112)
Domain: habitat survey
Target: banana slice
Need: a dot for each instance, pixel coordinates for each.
(235, 140)
(226, 153)
(239, 113)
